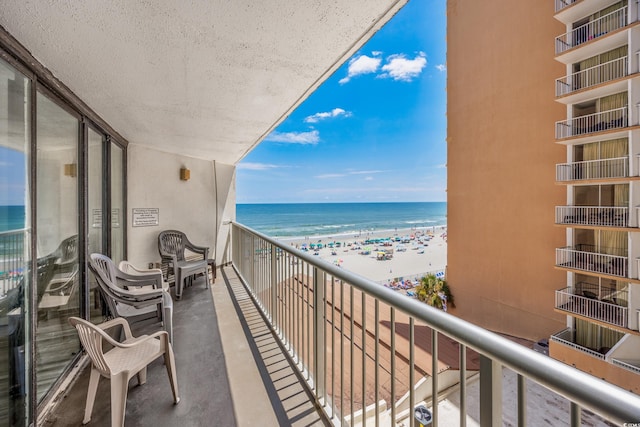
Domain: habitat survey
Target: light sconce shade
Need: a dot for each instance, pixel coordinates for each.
(71, 169)
(185, 174)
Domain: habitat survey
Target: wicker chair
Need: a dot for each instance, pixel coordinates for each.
(172, 245)
(125, 360)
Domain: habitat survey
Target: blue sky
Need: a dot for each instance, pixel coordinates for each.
(375, 131)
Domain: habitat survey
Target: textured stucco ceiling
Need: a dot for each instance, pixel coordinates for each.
(204, 78)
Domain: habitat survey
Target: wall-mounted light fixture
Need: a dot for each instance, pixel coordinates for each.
(185, 174)
(71, 169)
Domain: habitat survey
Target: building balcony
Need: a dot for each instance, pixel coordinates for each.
(590, 77)
(599, 216)
(595, 302)
(566, 338)
(584, 257)
(593, 170)
(562, 4)
(294, 340)
(592, 123)
(626, 353)
(592, 30)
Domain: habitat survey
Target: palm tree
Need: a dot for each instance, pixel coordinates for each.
(435, 292)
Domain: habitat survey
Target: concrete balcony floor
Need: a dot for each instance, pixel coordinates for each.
(231, 371)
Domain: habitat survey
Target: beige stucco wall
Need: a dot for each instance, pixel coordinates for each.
(197, 207)
(596, 367)
(501, 165)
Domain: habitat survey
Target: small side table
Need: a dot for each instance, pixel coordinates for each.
(212, 264)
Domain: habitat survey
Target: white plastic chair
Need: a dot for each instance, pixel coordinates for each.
(126, 359)
(131, 295)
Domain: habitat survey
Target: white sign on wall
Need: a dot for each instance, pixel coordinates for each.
(146, 217)
(96, 218)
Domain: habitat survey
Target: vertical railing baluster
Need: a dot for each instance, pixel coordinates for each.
(434, 377)
(364, 359)
(490, 392)
(412, 367)
(342, 412)
(575, 415)
(463, 385)
(319, 332)
(307, 290)
(392, 325)
(522, 401)
(333, 347)
(376, 383)
(351, 371)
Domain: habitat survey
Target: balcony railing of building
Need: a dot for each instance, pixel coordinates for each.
(590, 123)
(604, 216)
(325, 316)
(593, 169)
(592, 30)
(566, 337)
(592, 76)
(588, 300)
(561, 4)
(634, 367)
(584, 257)
(11, 260)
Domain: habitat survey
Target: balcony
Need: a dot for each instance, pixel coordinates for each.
(592, 123)
(593, 169)
(589, 300)
(599, 216)
(592, 30)
(294, 340)
(561, 4)
(566, 338)
(585, 258)
(593, 76)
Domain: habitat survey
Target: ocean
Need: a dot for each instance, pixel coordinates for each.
(333, 219)
(11, 218)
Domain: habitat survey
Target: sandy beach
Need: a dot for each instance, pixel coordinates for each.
(415, 261)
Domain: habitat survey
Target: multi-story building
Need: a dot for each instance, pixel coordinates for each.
(601, 91)
(501, 190)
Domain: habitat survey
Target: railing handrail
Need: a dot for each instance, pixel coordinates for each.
(14, 231)
(561, 81)
(558, 338)
(580, 162)
(577, 386)
(561, 43)
(588, 116)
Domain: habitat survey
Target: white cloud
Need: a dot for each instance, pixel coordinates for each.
(369, 178)
(336, 112)
(311, 137)
(363, 64)
(441, 67)
(256, 166)
(398, 67)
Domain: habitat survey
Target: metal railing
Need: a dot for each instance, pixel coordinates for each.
(584, 257)
(590, 123)
(561, 4)
(627, 365)
(588, 304)
(12, 259)
(357, 343)
(593, 169)
(605, 216)
(593, 76)
(592, 30)
(565, 337)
